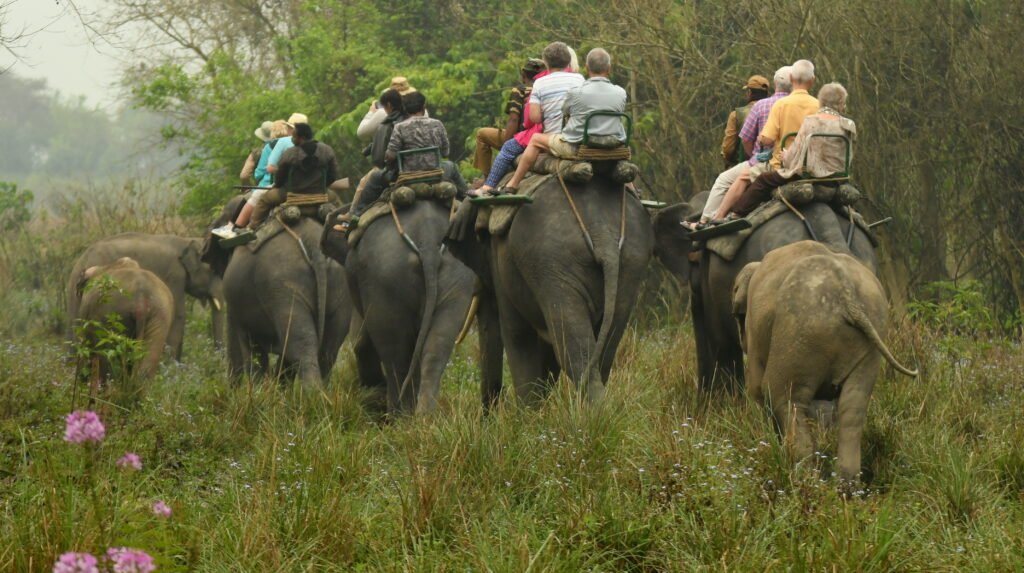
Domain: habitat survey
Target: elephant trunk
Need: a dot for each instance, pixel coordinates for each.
(430, 259)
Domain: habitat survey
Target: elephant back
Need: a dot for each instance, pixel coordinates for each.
(798, 195)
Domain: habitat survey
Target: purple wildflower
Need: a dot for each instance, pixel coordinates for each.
(161, 509)
(130, 460)
(83, 426)
(125, 560)
(76, 563)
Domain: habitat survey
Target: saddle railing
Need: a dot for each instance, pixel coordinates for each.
(843, 175)
(593, 151)
(428, 176)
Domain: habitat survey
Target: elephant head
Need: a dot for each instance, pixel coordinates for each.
(204, 284)
(333, 243)
(671, 245)
(740, 288)
(210, 252)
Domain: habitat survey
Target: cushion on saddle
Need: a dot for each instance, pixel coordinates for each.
(496, 219)
(375, 211)
(268, 230)
(799, 193)
(401, 196)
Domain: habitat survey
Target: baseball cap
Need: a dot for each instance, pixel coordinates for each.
(757, 83)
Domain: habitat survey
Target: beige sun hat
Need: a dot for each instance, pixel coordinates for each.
(296, 118)
(263, 131)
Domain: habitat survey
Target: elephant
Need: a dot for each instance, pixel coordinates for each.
(286, 298)
(176, 260)
(812, 322)
(139, 300)
(553, 295)
(410, 302)
(710, 277)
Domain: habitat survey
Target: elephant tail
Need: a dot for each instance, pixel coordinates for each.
(319, 263)
(856, 316)
(610, 268)
(430, 260)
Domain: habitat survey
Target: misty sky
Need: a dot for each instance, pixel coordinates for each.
(61, 52)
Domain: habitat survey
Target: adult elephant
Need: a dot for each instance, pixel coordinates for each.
(409, 301)
(711, 277)
(137, 299)
(286, 298)
(175, 260)
(559, 300)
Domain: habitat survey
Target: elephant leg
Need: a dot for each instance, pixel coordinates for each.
(437, 349)
(240, 353)
(335, 332)
(853, 408)
(298, 335)
(153, 333)
(176, 335)
(491, 350)
(790, 391)
(371, 376)
(572, 335)
(525, 350)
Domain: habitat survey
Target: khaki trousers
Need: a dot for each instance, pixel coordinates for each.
(487, 140)
(266, 204)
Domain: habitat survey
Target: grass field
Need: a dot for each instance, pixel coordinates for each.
(261, 479)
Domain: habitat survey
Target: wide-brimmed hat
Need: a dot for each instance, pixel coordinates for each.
(263, 131)
(296, 118)
(757, 83)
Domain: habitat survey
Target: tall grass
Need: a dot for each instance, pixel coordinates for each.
(653, 479)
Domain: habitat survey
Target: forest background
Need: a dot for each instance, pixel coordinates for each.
(933, 89)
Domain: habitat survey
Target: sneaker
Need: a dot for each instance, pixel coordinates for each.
(225, 232)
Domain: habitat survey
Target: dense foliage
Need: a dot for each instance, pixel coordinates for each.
(932, 87)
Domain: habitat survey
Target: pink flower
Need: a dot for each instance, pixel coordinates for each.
(161, 509)
(127, 560)
(76, 563)
(83, 426)
(130, 460)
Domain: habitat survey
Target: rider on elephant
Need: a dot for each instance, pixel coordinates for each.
(752, 126)
(416, 132)
(818, 157)
(491, 138)
(548, 99)
(252, 160)
(732, 151)
(307, 168)
(785, 117)
(279, 133)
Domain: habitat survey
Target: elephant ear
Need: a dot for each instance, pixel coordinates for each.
(334, 243)
(191, 259)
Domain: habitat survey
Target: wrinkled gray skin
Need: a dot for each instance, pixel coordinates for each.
(409, 307)
(547, 300)
(812, 323)
(276, 307)
(138, 298)
(719, 355)
(175, 260)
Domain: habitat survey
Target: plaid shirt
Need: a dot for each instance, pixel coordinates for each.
(755, 121)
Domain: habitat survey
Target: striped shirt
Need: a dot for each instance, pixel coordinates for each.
(549, 93)
(755, 122)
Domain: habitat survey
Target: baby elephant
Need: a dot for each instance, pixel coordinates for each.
(138, 299)
(811, 322)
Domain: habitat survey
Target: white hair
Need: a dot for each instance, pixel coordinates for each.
(802, 72)
(832, 95)
(782, 82)
(574, 61)
(599, 61)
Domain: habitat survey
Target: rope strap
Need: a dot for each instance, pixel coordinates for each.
(418, 176)
(304, 199)
(586, 153)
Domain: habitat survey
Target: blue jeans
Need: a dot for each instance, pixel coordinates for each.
(503, 162)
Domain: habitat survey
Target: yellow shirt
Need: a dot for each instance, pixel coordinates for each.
(786, 116)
